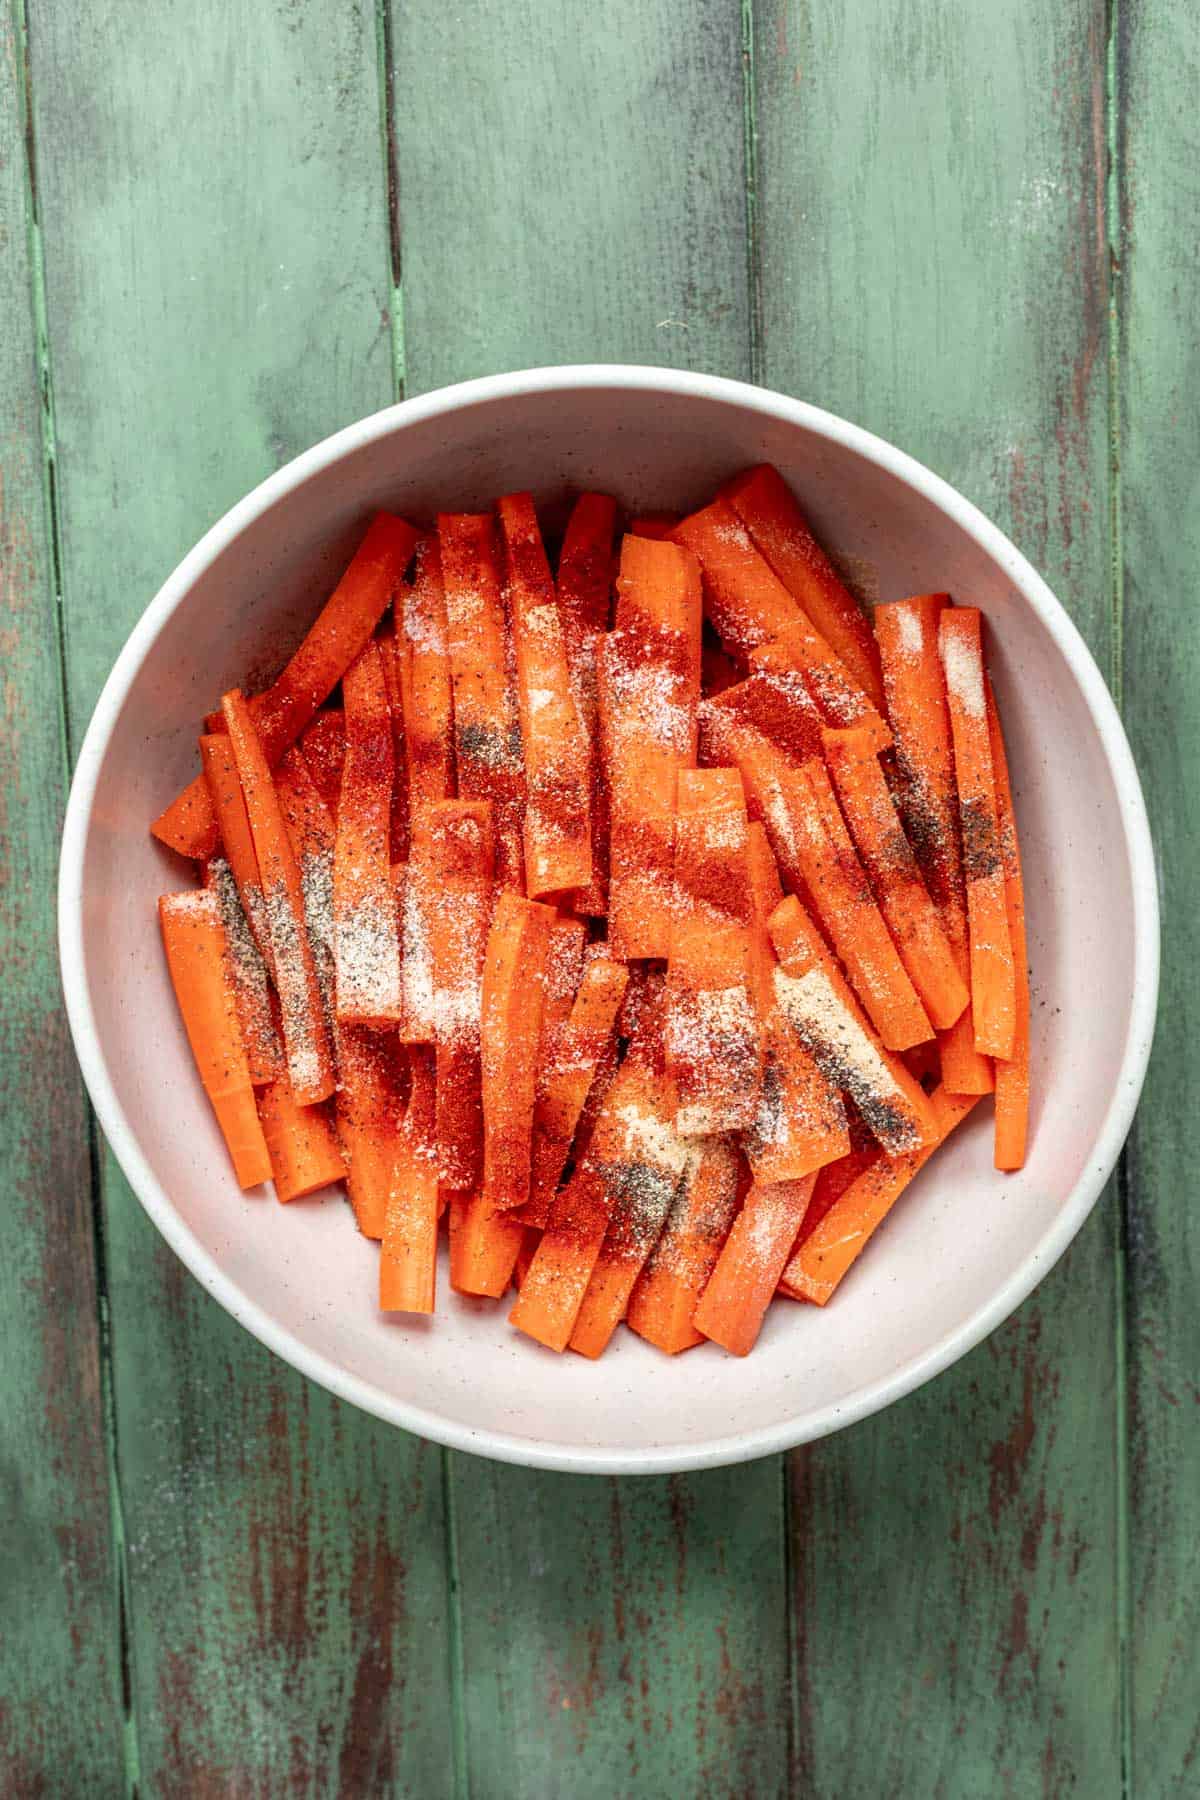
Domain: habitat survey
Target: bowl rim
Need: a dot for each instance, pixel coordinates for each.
(802, 1427)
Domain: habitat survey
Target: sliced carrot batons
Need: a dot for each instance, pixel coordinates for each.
(585, 579)
(460, 862)
(196, 958)
(665, 1295)
(993, 979)
(302, 1141)
(1012, 1074)
(366, 936)
(513, 992)
(567, 1074)
(408, 1254)
(743, 1283)
(313, 837)
(235, 841)
(424, 680)
(248, 973)
(370, 1106)
(323, 747)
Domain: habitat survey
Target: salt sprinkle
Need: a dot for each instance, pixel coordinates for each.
(909, 631)
(964, 675)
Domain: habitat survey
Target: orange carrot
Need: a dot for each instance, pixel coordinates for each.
(852, 921)
(585, 577)
(907, 634)
(800, 1122)
(817, 1003)
(908, 912)
(417, 904)
(323, 747)
(312, 835)
(743, 1283)
(302, 1141)
(408, 1255)
(832, 1182)
(712, 1036)
(634, 1228)
(768, 777)
(426, 690)
(566, 1077)
(665, 1294)
(305, 1038)
(558, 831)
(1012, 1075)
(388, 645)
(768, 510)
(484, 1245)
(371, 1101)
(235, 841)
(248, 973)
(654, 525)
(339, 632)
(487, 731)
(993, 978)
(774, 699)
(649, 681)
(196, 958)
(513, 991)
(460, 862)
(822, 1259)
(366, 937)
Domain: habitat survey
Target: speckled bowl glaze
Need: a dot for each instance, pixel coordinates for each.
(964, 1247)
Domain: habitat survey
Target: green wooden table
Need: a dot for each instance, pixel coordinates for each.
(229, 229)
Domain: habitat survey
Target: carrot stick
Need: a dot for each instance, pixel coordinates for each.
(713, 1041)
(774, 699)
(195, 947)
(426, 689)
(768, 510)
(852, 921)
(302, 1141)
(743, 1283)
(585, 577)
(907, 634)
(800, 1122)
(832, 1182)
(335, 638)
(824, 1258)
(312, 835)
(816, 1001)
(908, 912)
(233, 834)
(460, 862)
(305, 1038)
(513, 991)
(665, 1294)
(993, 978)
(654, 525)
(417, 904)
(366, 938)
(391, 655)
(558, 831)
(566, 1077)
(649, 683)
(248, 972)
(768, 777)
(484, 1246)
(408, 1255)
(634, 1228)
(487, 731)
(1012, 1075)
(749, 605)
(371, 1101)
(323, 747)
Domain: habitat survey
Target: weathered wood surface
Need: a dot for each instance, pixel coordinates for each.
(895, 211)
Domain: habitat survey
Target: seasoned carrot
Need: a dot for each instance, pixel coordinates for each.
(302, 1141)
(426, 689)
(305, 1037)
(1012, 1075)
(904, 901)
(649, 680)
(323, 747)
(371, 1101)
(461, 862)
(235, 841)
(196, 958)
(665, 1294)
(852, 921)
(312, 835)
(712, 1036)
(585, 579)
(749, 605)
(408, 1254)
(567, 1076)
(800, 1121)
(743, 1282)
(774, 699)
(390, 657)
(513, 990)
(993, 978)
(248, 972)
(558, 830)
(832, 1182)
(768, 777)
(342, 627)
(822, 1259)
(768, 510)
(484, 1245)
(529, 1244)
(907, 634)
(487, 730)
(654, 524)
(366, 936)
(634, 1228)
(417, 901)
(816, 1000)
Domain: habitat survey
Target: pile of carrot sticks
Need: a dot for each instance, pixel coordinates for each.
(642, 923)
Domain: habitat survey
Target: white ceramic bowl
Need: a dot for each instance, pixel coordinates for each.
(963, 1248)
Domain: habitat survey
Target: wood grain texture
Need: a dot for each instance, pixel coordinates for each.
(618, 1637)
(60, 1685)
(1157, 71)
(933, 264)
(215, 235)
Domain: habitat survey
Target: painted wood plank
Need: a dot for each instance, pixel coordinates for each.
(216, 244)
(60, 1699)
(932, 255)
(1157, 69)
(587, 203)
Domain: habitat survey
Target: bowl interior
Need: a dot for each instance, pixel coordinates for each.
(963, 1235)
